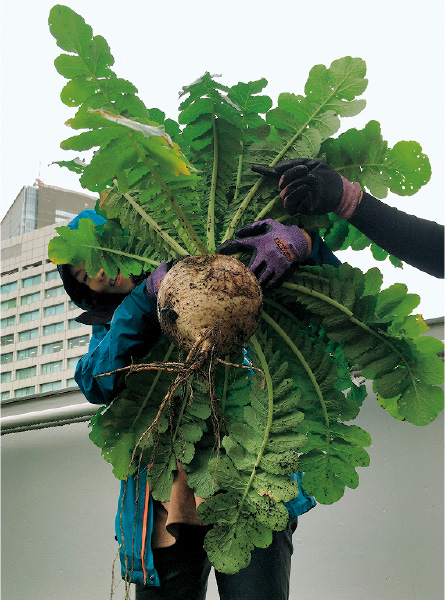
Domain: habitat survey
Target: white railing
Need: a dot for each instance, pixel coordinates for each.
(53, 417)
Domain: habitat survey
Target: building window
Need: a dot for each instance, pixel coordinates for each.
(9, 287)
(29, 316)
(6, 358)
(62, 215)
(55, 309)
(51, 348)
(72, 306)
(78, 342)
(27, 353)
(37, 264)
(51, 367)
(6, 395)
(28, 334)
(26, 391)
(34, 280)
(11, 303)
(7, 339)
(71, 382)
(51, 275)
(73, 324)
(29, 298)
(7, 322)
(12, 271)
(29, 210)
(50, 387)
(5, 377)
(55, 291)
(71, 363)
(25, 373)
(52, 328)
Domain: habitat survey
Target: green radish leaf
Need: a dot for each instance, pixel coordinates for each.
(394, 301)
(407, 167)
(323, 479)
(75, 165)
(428, 344)
(229, 546)
(199, 476)
(391, 405)
(78, 90)
(421, 404)
(90, 139)
(120, 456)
(397, 368)
(161, 476)
(86, 244)
(69, 29)
(267, 512)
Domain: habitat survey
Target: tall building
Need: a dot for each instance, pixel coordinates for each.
(40, 340)
(41, 205)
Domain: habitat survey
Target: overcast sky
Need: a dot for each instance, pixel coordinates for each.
(161, 46)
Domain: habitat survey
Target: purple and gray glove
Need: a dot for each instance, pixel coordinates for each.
(275, 249)
(153, 281)
(310, 187)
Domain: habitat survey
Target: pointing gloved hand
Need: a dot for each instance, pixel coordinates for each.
(310, 187)
(275, 248)
(153, 281)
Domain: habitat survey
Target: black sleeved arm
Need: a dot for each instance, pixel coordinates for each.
(416, 241)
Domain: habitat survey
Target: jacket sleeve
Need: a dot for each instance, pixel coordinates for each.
(416, 241)
(134, 329)
(321, 254)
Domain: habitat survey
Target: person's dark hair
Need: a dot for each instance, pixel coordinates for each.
(99, 306)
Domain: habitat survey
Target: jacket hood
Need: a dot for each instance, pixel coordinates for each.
(99, 307)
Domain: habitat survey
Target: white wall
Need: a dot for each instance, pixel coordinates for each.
(58, 506)
(383, 541)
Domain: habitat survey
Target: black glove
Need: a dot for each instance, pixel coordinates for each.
(308, 187)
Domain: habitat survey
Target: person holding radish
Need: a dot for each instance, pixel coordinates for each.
(161, 544)
(167, 559)
(310, 187)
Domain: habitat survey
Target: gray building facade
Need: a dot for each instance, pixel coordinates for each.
(41, 205)
(40, 340)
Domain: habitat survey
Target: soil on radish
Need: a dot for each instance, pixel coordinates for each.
(211, 301)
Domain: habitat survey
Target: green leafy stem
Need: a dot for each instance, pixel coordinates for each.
(269, 385)
(152, 223)
(245, 203)
(154, 263)
(211, 209)
(305, 366)
(181, 214)
(350, 314)
(142, 155)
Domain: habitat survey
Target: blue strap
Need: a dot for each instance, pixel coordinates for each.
(129, 527)
(302, 503)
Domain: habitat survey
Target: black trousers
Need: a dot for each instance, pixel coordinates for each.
(184, 570)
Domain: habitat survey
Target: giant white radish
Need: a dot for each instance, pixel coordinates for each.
(209, 304)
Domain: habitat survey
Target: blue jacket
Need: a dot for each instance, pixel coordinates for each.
(130, 334)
